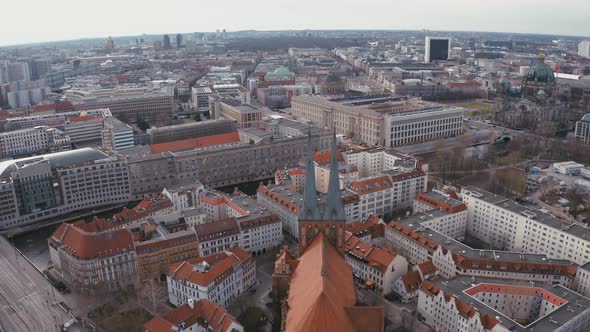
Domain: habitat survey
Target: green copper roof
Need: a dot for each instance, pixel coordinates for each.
(540, 72)
(281, 71)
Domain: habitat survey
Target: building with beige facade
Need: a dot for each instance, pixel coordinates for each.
(381, 120)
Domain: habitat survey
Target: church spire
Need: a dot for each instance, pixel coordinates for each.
(335, 208)
(310, 209)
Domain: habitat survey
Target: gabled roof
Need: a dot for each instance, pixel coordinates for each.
(222, 265)
(412, 281)
(363, 187)
(322, 296)
(203, 312)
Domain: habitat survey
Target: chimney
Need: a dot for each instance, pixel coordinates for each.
(191, 303)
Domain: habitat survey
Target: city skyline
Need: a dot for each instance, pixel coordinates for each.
(128, 20)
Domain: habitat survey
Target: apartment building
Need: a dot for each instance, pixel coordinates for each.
(381, 120)
(63, 182)
(37, 140)
(161, 248)
(408, 286)
(375, 267)
(218, 236)
(93, 262)
(195, 316)
(374, 161)
(418, 244)
(489, 304)
(506, 224)
(219, 278)
(387, 193)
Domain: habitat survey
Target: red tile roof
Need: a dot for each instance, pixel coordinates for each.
(372, 185)
(222, 265)
(322, 296)
(379, 258)
(199, 142)
(89, 245)
(372, 226)
(203, 312)
(324, 157)
(427, 268)
(412, 281)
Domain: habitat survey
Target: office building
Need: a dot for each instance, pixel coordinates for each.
(494, 304)
(195, 316)
(583, 129)
(178, 41)
(219, 278)
(117, 135)
(437, 49)
(85, 128)
(166, 44)
(381, 120)
(216, 166)
(55, 118)
(584, 49)
(93, 262)
(245, 115)
(37, 140)
(127, 104)
(60, 183)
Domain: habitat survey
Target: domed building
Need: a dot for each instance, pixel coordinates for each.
(539, 77)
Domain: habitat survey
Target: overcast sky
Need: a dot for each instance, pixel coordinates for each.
(24, 21)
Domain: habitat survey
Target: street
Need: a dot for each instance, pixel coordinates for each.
(28, 302)
(264, 270)
(399, 314)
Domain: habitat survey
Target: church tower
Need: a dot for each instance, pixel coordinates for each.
(315, 218)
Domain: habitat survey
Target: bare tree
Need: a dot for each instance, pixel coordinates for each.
(153, 295)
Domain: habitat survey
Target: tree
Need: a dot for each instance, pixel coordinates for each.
(142, 123)
(153, 295)
(198, 117)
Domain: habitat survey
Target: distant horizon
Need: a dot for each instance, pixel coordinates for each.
(39, 21)
(434, 32)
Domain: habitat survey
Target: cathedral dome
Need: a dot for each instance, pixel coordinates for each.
(540, 72)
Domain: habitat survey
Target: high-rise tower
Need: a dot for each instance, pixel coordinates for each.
(315, 218)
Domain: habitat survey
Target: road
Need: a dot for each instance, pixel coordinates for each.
(399, 314)
(28, 302)
(264, 270)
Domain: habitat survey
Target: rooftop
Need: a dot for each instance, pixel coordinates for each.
(204, 271)
(575, 230)
(570, 306)
(203, 312)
